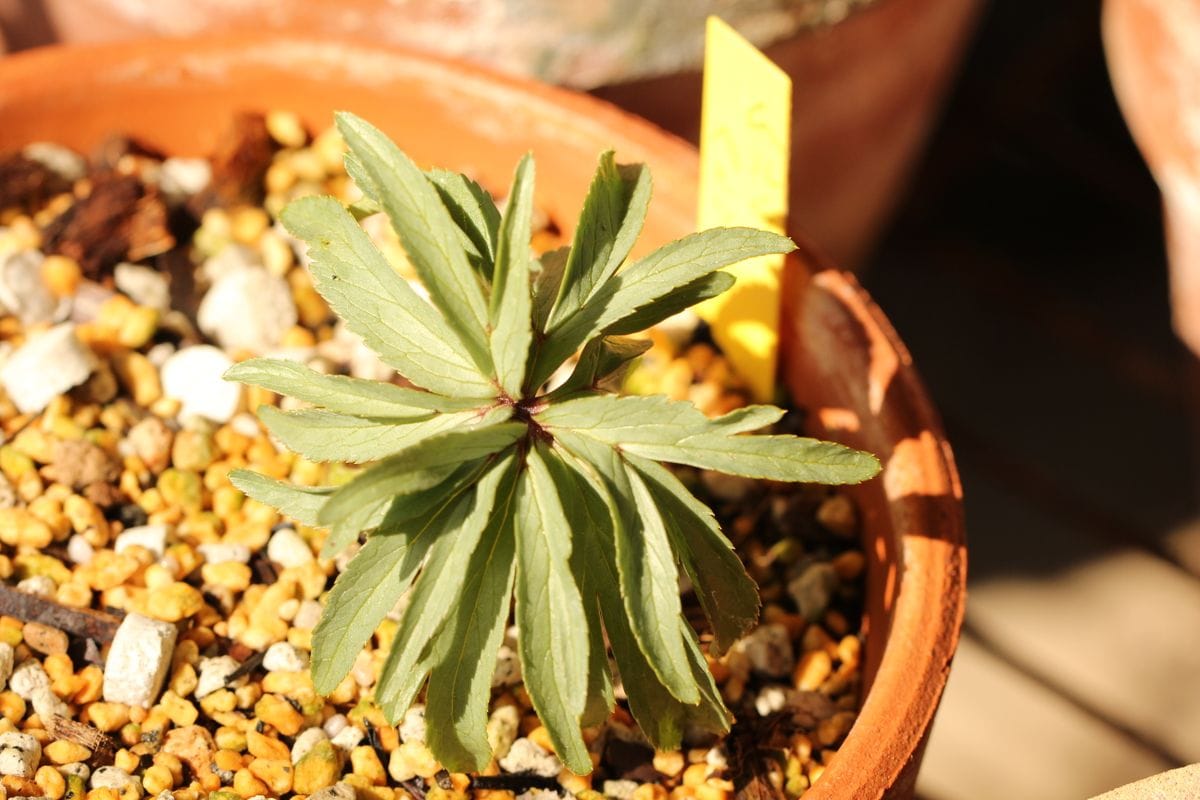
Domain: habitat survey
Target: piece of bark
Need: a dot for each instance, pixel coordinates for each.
(99, 743)
(82, 622)
(239, 165)
(27, 183)
(106, 157)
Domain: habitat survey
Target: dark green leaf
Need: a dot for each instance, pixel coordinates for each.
(553, 643)
(464, 652)
(747, 419)
(438, 590)
(416, 468)
(301, 503)
(426, 230)
(546, 279)
(608, 226)
(665, 307)
(777, 458)
(379, 305)
(473, 211)
(600, 359)
(511, 302)
(726, 593)
(326, 436)
(670, 268)
(340, 394)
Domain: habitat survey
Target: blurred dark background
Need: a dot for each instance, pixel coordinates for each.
(1026, 272)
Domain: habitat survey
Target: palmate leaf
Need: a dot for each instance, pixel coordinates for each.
(426, 230)
(379, 305)
(325, 436)
(341, 394)
(475, 214)
(674, 431)
(438, 590)
(511, 302)
(464, 654)
(486, 496)
(553, 645)
(649, 589)
(671, 267)
(608, 226)
(301, 503)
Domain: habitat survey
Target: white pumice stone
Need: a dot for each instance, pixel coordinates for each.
(307, 616)
(46, 366)
(193, 376)
(283, 657)
(619, 790)
(23, 292)
(526, 756)
(41, 585)
(80, 550)
(28, 678)
(143, 285)
(151, 537)
(138, 660)
(19, 754)
(247, 309)
(335, 724)
(114, 778)
(76, 768)
(180, 178)
(288, 549)
(348, 738)
(305, 741)
(223, 552)
(47, 704)
(214, 672)
(412, 727)
(7, 653)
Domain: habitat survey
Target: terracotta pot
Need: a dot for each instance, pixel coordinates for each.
(843, 361)
(1153, 49)
(869, 75)
(1175, 784)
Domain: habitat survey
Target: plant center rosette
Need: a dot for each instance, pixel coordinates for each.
(510, 576)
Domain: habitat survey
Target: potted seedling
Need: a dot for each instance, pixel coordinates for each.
(505, 443)
(487, 484)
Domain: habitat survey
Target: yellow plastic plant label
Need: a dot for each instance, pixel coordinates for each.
(745, 136)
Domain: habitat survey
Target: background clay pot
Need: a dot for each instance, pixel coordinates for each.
(842, 360)
(869, 75)
(1153, 49)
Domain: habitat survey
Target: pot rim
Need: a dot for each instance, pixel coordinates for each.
(925, 515)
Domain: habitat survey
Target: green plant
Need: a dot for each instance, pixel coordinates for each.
(484, 487)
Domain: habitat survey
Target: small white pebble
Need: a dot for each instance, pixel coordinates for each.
(114, 778)
(508, 667)
(283, 657)
(770, 700)
(619, 790)
(194, 377)
(526, 756)
(305, 741)
(335, 724)
(213, 674)
(40, 585)
(222, 552)
(62, 161)
(179, 178)
(717, 758)
(339, 791)
(412, 728)
(45, 366)
(47, 704)
(80, 550)
(28, 678)
(348, 738)
(19, 754)
(143, 285)
(77, 768)
(288, 608)
(138, 660)
(245, 424)
(288, 549)
(363, 670)
(307, 616)
(538, 794)
(151, 537)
